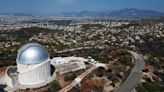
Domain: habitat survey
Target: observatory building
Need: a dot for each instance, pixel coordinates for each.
(35, 69)
(33, 64)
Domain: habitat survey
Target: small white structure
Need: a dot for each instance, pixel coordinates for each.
(68, 64)
(66, 60)
(91, 60)
(33, 64)
(58, 61)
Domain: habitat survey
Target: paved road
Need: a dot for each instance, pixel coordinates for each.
(81, 48)
(74, 83)
(132, 81)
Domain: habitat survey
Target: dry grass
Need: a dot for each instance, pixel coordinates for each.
(2, 71)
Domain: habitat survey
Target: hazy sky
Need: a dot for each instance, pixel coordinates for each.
(57, 6)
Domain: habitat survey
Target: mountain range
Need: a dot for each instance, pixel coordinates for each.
(117, 14)
(121, 14)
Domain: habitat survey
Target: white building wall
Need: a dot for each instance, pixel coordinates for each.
(81, 65)
(33, 74)
(9, 81)
(58, 61)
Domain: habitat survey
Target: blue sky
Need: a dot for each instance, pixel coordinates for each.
(58, 6)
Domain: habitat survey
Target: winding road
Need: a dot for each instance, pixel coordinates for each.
(132, 81)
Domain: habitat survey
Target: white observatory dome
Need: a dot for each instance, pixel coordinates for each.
(33, 64)
(32, 53)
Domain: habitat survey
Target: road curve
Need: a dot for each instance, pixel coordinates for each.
(132, 81)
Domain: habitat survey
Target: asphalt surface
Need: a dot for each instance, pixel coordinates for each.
(74, 83)
(132, 81)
